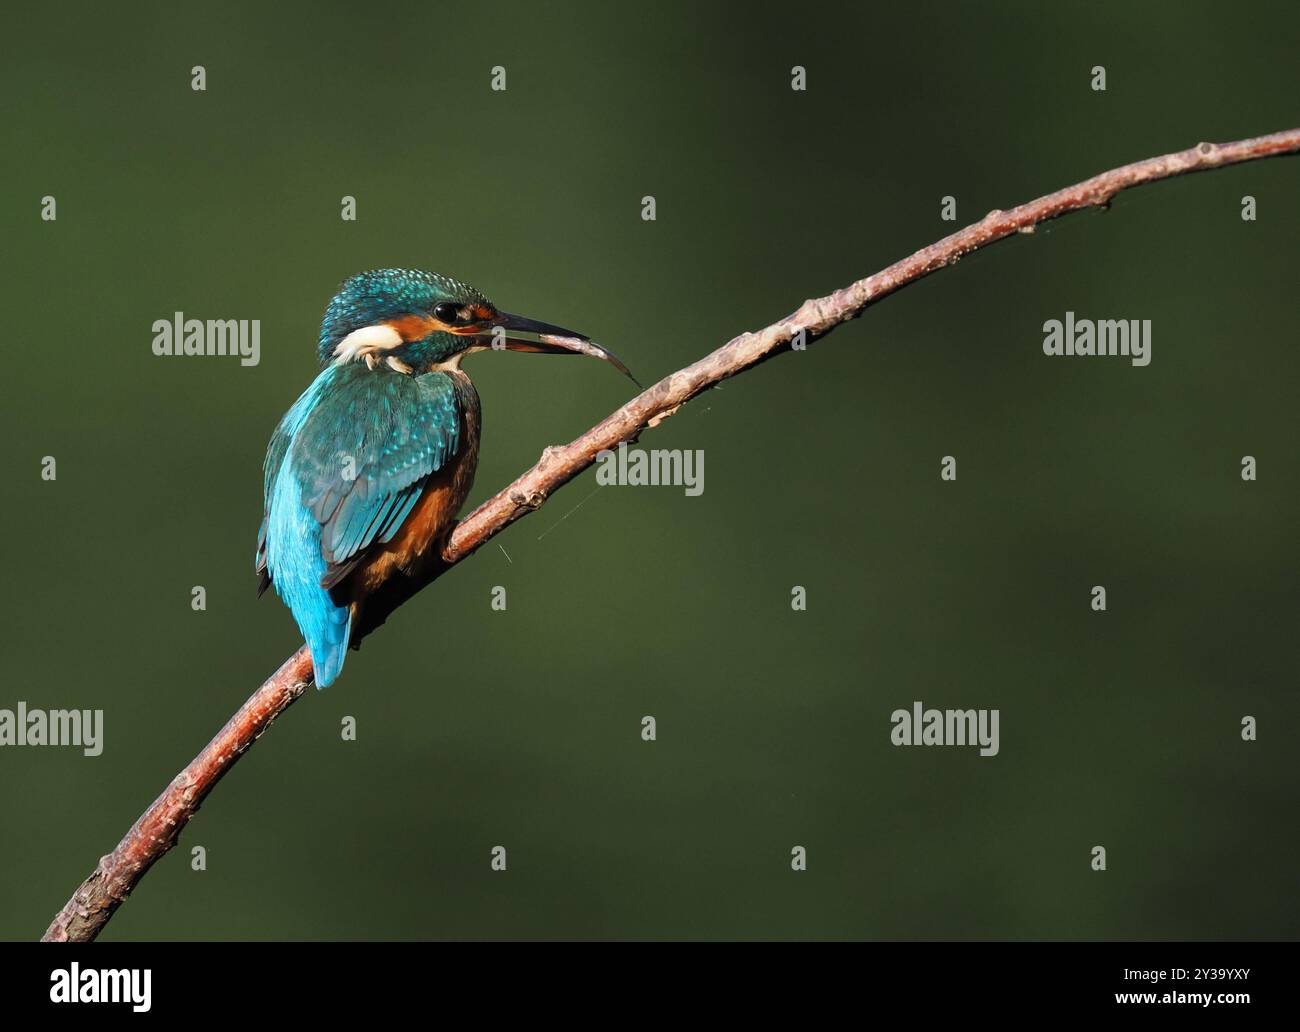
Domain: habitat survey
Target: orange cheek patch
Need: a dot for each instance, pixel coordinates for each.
(415, 327)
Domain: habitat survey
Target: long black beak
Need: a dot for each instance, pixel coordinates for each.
(555, 340)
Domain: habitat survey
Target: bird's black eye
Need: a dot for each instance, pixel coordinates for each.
(447, 312)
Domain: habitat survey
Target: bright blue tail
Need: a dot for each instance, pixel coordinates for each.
(293, 557)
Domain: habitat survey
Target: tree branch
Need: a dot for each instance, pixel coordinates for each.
(157, 830)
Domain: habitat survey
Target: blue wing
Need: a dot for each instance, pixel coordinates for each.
(344, 469)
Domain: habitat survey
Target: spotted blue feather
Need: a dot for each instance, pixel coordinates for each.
(345, 467)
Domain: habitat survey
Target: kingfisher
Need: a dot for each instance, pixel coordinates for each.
(366, 472)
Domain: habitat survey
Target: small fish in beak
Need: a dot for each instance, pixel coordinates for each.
(555, 340)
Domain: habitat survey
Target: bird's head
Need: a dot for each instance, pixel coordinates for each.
(411, 322)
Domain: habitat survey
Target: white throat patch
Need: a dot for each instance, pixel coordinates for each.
(366, 343)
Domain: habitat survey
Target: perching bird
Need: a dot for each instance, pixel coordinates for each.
(366, 472)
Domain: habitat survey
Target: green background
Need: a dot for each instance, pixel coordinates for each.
(479, 728)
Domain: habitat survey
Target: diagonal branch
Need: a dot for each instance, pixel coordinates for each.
(91, 906)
